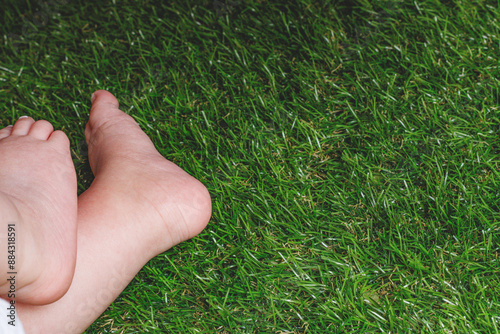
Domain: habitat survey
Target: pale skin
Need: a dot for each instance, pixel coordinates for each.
(138, 206)
(38, 199)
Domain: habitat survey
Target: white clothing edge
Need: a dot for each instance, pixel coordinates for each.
(9, 320)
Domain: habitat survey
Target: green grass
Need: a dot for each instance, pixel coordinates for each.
(351, 150)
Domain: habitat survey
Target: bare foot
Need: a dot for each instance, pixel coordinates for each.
(38, 195)
(138, 206)
(160, 204)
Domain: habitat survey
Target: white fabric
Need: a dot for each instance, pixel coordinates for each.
(9, 316)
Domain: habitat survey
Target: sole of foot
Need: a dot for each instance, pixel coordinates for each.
(38, 205)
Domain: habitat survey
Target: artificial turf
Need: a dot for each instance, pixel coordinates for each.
(351, 149)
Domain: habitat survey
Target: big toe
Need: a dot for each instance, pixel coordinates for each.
(106, 120)
(110, 132)
(104, 107)
(104, 98)
(104, 114)
(60, 139)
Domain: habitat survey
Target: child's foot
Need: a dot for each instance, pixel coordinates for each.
(138, 206)
(38, 195)
(157, 204)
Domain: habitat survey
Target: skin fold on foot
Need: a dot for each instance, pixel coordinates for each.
(38, 207)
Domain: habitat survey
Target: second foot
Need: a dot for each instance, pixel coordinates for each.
(152, 203)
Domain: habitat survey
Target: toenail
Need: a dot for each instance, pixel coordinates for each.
(92, 98)
(23, 117)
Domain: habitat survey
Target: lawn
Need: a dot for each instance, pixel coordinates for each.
(351, 150)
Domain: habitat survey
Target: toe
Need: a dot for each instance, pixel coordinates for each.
(22, 126)
(104, 106)
(59, 138)
(103, 98)
(5, 132)
(41, 130)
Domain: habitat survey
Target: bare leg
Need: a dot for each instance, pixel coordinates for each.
(138, 206)
(38, 208)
